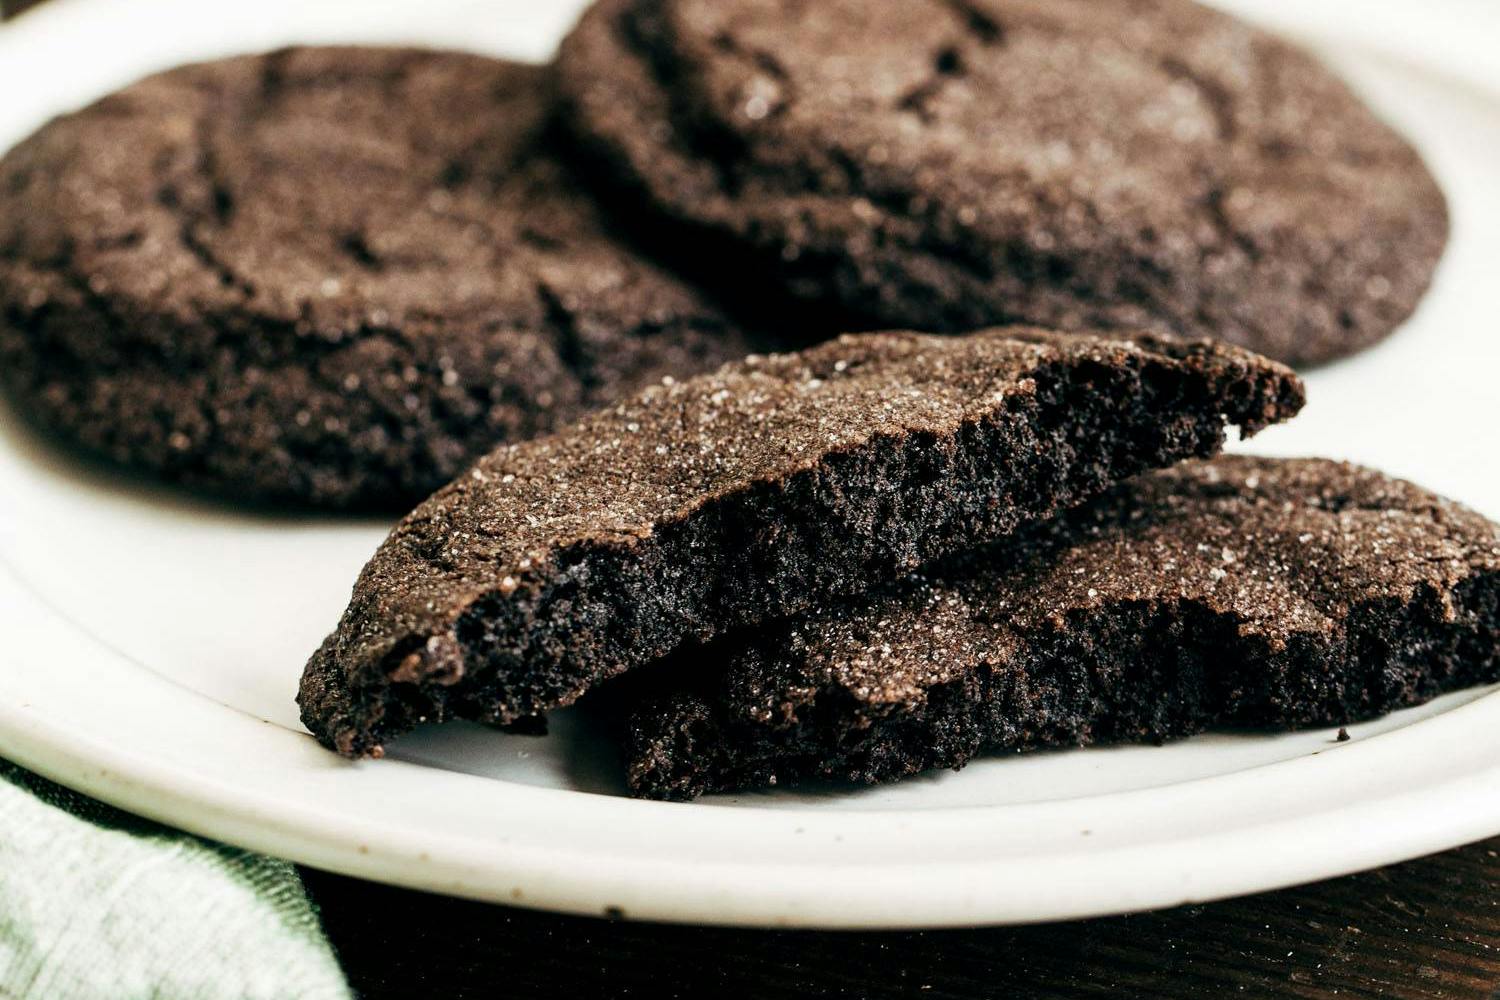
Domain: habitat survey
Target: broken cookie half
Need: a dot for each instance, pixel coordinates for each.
(1242, 591)
(757, 492)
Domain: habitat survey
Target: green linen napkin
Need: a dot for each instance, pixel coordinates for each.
(96, 903)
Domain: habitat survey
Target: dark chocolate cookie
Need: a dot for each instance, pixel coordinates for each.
(325, 275)
(757, 491)
(1242, 591)
(947, 164)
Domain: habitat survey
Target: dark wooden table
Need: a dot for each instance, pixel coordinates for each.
(1428, 928)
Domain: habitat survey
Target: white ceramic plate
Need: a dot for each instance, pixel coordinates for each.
(152, 643)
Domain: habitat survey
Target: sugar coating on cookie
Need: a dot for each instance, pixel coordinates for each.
(1248, 592)
(710, 504)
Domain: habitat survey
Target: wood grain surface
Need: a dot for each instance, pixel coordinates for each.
(1424, 929)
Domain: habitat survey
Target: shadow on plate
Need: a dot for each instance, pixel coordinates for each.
(576, 753)
(61, 459)
(580, 754)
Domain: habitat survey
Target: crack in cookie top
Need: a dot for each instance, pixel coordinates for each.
(942, 164)
(333, 274)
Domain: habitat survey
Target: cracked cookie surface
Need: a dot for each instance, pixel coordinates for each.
(332, 276)
(748, 493)
(947, 164)
(1248, 592)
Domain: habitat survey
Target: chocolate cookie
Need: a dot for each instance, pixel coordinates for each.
(760, 490)
(323, 275)
(1241, 592)
(947, 164)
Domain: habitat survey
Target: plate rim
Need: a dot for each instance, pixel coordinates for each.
(1016, 887)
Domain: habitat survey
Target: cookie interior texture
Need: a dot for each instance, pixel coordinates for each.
(323, 275)
(947, 164)
(1241, 591)
(708, 505)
